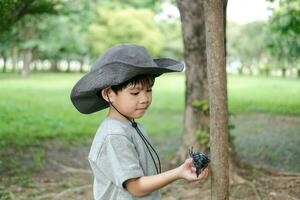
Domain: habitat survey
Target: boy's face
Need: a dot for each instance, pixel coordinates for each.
(133, 100)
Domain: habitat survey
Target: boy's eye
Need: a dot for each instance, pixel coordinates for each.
(149, 90)
(134, 93)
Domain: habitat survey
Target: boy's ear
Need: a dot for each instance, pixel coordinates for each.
(106, 92)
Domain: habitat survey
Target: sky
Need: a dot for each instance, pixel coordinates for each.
(245, 11)
(240, 11)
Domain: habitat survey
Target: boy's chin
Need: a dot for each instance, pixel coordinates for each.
(138, 116)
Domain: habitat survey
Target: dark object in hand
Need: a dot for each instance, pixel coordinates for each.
(200, 160)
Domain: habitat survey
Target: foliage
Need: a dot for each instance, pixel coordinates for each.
(123, 24)
(284, 43)
(154, 5)
(246, 43)
(171, 31)
(80, 30)
(200, 104)
(203, 138)
(13, 11)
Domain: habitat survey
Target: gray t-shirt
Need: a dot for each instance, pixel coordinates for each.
(118, 154)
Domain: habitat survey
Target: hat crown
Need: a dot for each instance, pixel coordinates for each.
(126, 53)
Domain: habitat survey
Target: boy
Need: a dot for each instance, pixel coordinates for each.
(121, 155)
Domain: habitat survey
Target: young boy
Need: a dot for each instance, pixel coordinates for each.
(121, 156)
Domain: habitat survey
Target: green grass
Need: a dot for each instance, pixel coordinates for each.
(264, 94)
(39, 108)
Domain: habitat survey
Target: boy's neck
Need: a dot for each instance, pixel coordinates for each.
(115, 114)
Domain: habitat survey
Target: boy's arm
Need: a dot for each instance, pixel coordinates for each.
(143, 185)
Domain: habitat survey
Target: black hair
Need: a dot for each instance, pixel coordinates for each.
(145, 81)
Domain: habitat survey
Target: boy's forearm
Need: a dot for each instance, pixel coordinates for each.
(148, 184)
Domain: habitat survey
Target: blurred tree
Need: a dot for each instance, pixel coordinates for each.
(27, 29)
(154, 5)
(196, 114)
(171, 31)
(24, 30)
(284, 43)
(247, 44)
(12, 11)
(8, 41)
(62, 37)
(123, 24)
(50, 33)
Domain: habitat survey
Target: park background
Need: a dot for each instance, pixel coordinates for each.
(46, 46)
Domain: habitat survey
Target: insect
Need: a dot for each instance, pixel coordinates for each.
(200, 160)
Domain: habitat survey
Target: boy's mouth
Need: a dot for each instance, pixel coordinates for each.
(145, 108)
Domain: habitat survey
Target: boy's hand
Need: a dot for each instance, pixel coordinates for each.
(188, 172)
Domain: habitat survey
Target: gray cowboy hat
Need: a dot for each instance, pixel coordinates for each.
(117, 65)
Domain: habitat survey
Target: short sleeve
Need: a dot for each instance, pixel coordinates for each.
(118, 159)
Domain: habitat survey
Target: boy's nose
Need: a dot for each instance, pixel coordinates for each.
(145, 98)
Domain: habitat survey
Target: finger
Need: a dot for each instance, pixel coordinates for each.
(203, 173)
(193, 169)
(189, 161)
(206, 173)
(204, 170)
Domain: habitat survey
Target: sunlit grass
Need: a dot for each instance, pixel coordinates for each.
(264, 94)
(40, 106)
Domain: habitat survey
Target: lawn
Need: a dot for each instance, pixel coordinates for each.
(273, 95)
(39, 108)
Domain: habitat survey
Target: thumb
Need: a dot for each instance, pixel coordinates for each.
(189, 162)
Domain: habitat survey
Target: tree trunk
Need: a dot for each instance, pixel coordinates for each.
(196, 114)
(26, 31)
(214, 19)
(283, 72)
(54, 66)
(4, 63)
(27, 57)
(14, 58)
(69, 66)
(81, 66)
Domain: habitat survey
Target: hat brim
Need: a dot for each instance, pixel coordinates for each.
(84, 94)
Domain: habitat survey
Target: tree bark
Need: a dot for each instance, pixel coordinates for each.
(68, 66)
(214, 21)
(14, 58)
(81, 66)
(27, 32)
(27, 58)
(54, 66)
(196, 118)
(4, 63)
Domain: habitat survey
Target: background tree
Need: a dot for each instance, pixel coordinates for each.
(284, 43)
(12, 11)
(216, 65)
(124, 24)
(154, 5)
(246, 45)
(196, 115)
(173, 45)
(26, 27)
